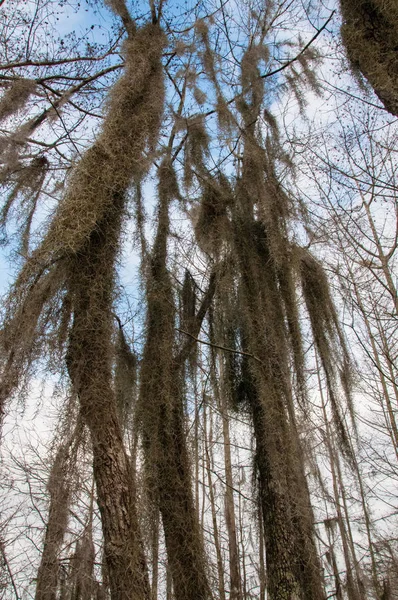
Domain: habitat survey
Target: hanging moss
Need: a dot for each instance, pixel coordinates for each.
(292, 567)
(125, 378)
(16, 96)
(212, 224)
(195, 148)
(82, 567)
(28, 331)
(328, 338)
(79, 253)
(188, 301)
(103, 173)
(161, 415)
(60, 490)
(288, 288)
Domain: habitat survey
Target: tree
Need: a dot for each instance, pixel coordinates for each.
(358, 211)
(369, 32)
(225, 297)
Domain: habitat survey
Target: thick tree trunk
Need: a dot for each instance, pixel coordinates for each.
(89, 365)
(169, 472)
(293, 569)
(271, 453)
(181, 528)
(369, 32)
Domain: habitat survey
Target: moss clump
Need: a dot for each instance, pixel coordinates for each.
(370, 33)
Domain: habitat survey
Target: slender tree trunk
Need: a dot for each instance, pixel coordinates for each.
(352, 587)
(242, 544)
(333, 561)
(357, 569)
(384, 259)
(169, 584)
(208, 441)
(391, 422)
(365, 508)
(163, 423)
(59, 487)
(235, 579)
(196, 456)
(83, 576)
(262, 575)
(155, 553)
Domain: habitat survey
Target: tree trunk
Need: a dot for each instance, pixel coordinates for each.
(89, 363)
(59, 487)
(163, 421)
(155, 552)
(262, 576)
(293, 569)
(235, 579)
(352, 585)
(208, 442)
(369, 32)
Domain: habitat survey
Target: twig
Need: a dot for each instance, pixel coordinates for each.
(292, 60)
(3, 553)
(282, 68)
(220, 347)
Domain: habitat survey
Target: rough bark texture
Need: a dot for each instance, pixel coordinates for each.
(370, 34)
(293, 570)
(89, 365)
(235, 578)
(163, 422)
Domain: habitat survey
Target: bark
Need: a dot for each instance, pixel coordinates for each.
(262, 576)
(196, 456)
(331, 555)
(235, 578)
(163, 424)
(155, 553)
(83, 568)
(242, 545)
(181, 528)
(172, 482)
(169, 584)
(369, 32)
(208, 442)
(293, 568)
(89, 363)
